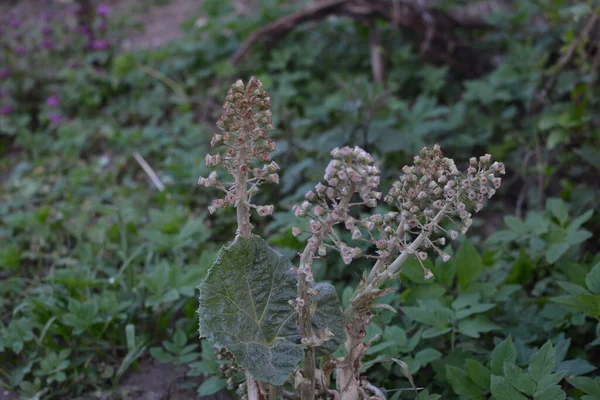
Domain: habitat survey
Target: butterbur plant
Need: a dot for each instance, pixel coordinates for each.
(272, 316)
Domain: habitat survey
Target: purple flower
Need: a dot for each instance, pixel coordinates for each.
(20, 50)
(84, 29)
(6, 109)
(99, 44)
(4, 72)
(55, 118)
(46, 30)
(53, 101)
(103, 10)
(48, 44)
(14, 22)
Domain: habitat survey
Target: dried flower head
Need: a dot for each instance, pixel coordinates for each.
(243, 146)
(350, 172)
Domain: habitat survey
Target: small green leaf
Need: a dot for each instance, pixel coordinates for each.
(575, 367)
(502, 390)
(555, 251)
(468, 264)
(461, 384)
(159, 354)
(212, 385)
(515, 224)
(559, 209)
(504, 352)
(474, 309)
(592, 280)
(474, 326)
(519, 379)
(439, 317)
(244, 308)
(577, 222)
(478, 373)
(543, 362)
(553, 392)
(590, 386)
(428, 355)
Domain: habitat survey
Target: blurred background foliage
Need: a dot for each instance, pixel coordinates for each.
(98, 265)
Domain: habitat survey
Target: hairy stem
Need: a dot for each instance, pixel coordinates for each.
(358, 315)
(305, 317)
(241, 184)
(253, 392)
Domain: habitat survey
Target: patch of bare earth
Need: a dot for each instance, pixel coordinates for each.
(155, 381)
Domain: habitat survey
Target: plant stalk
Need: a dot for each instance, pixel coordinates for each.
(241, 185)
(359, 317)
(307, 390)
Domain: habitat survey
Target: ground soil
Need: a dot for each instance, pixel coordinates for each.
(155, 381)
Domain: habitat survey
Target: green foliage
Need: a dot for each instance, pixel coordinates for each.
(96, 260)
(244, 308)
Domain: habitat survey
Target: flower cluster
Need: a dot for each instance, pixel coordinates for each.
(431, 191)
(243, 142)
(40, 49)
(351, 171)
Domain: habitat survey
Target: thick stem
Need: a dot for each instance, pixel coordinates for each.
(273, 392)
(241, 185)
(253, 391)
(307, 390)
(359, 317)
(308, 372)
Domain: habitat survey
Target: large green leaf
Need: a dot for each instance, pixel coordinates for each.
(244, 308)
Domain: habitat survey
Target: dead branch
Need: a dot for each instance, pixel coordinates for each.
(432, 28)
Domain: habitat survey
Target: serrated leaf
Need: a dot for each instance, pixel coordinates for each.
(519, 379)
(592, 279)
(468, 264)
(502, 390)
(504, 352)
(244, 308)
(543, 362)
(575, 367)
(553, 392)
(461, 384)
(474, 326)
(478, 373)
(590, 386)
